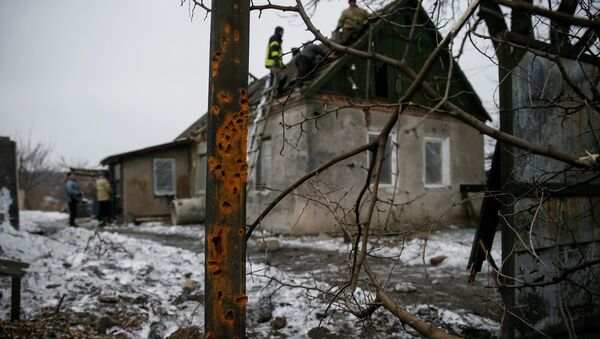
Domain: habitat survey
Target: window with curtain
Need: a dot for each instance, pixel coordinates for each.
(386, 177)
(436, 162)
(164, 176)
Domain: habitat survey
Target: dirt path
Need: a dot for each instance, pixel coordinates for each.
(444, 287)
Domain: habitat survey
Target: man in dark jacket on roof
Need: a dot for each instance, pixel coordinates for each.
(307, 58)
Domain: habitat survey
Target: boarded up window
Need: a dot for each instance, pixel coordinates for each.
(436, 159)
(263, 169)
(201, 170)
(164, 176)
(386, 166)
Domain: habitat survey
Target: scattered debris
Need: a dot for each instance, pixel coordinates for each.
(322, 333)
(190, 285)
(157, 330)
(50, 324)
(405, 287)
(104, 324)
(192, 332)
(278, 323)
(437, 260)
(268, 244)
(108, 298)
(265, 308)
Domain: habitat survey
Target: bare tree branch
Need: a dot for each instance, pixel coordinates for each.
(555, 15)
(429, 330)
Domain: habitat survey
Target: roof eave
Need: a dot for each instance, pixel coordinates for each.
(111, 159)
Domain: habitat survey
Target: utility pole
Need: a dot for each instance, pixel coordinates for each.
(227, 172)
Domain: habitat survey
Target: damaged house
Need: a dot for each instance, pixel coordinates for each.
(343, 103)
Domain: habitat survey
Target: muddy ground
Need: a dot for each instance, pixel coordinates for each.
(445, 288)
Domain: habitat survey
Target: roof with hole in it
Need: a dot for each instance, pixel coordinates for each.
(366, 81)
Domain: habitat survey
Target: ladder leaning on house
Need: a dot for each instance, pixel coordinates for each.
(258, 128)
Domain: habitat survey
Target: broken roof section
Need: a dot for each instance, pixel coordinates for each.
(389, 34)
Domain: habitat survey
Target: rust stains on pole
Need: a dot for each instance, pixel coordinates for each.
(225, 272)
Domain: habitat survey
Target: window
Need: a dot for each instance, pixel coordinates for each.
(387, 167)
(436, 162)
(164, 176)
(201, 174)
(263, 168)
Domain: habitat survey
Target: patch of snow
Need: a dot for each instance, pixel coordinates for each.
(83, 265)
(159, 228)
(31, 221)
(455, 244)
(331, 244)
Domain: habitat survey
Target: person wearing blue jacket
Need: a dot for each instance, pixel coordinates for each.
(73, 197)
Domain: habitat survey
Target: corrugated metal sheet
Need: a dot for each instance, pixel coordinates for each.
(551, 225)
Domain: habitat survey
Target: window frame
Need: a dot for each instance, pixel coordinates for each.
(162, 193)
(394, 162)
(445, 161)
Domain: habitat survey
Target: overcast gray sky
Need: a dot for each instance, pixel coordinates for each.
(96, 78)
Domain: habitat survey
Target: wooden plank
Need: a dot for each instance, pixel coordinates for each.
(488, 219)
(11, 271)
(474, 188)
(15, 307)
(12, 268)
(13, 263)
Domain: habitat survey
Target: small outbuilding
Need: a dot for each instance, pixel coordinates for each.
(147, 180)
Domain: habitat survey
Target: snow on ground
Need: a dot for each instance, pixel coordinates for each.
(159, 228)
(30, 220)
(87, 267)
(455, 244)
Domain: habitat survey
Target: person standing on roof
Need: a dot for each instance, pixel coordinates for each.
(351, 22)
(306, 58)
(274, 60)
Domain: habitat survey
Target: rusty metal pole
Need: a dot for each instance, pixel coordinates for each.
(225, 271)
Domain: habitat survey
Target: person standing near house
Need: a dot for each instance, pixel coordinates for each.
(73, 197)
(274, 59)
(103, 194)
(351, 23)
